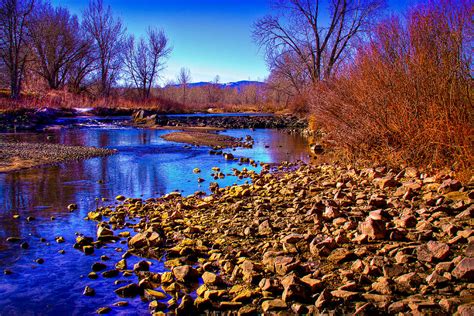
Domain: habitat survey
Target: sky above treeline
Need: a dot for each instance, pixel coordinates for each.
(210, 37)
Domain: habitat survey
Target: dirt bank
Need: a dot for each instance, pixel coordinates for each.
(304, 240)
(15, 156)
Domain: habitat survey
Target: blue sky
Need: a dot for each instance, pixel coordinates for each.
(210, 37)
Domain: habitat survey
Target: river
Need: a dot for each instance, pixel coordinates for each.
(145, 166)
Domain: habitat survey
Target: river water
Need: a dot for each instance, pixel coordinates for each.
(145, 166)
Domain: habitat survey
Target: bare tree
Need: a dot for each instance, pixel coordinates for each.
(55, 42)
(14, 15)
(145, 59)
(298, 33)
(107, 33)
(184, 77)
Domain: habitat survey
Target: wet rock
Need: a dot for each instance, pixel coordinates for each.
(186, 307)
(88, 291)
(130, 290)
(24, 245)
(13, 239)
(88, 250)
(104, 233)
(103, 310)
(110, 273)
(152, 295)
(72, 207)
(39, 260)
(141, 266)
(98, 266)
(185, 274)
(121, 265)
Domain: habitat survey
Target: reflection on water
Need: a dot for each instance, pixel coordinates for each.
(146, 166)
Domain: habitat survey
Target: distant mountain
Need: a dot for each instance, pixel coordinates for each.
(237, 85)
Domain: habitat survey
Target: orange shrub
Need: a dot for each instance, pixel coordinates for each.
(407, 97)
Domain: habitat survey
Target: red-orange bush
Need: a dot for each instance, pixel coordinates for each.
(407, 97)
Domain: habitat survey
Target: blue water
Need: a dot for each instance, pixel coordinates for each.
(145, 166)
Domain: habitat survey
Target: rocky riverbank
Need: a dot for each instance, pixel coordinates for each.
(15, 156)
(207, 139)
(146, 118)
(302, 239)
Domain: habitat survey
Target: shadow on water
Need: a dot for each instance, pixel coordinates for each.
(145, 166)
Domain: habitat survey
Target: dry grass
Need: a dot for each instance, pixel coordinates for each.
(407, 98)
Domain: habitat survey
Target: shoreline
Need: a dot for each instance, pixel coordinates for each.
(17, 156)
(304, 239)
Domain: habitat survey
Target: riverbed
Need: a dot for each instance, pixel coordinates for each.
(145, 166)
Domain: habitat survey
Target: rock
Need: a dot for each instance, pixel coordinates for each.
(408, 282)
(120, 198)
(130, 290)
(24, 245)
(449, 185)
(156, 307)
(88, 250)
(284, 265)
(374, 229)
(466, 309)
(88, 291)
(323, 299)
(273, 305)
(138, 241)
(13, 239)
(382, 286)
(228, 156)
(110, 273)
(185, 274)
(341, 255)
(72, 207)
(121, 265)
(210, 278)
(104, 233)
(141, 266)
(98, 266)
(465, 270)
(345, 295)
(247, 311)
(186, 307)
(265, 228)
(292, 238)
(152, 295)
(432, 250)
(103, 310)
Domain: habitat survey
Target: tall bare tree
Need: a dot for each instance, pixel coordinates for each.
(145, 59)
(184, 77)
(14, 16)
(298, 32)
(55, 42)
(108, 35)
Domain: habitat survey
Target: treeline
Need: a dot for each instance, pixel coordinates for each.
(52, 57)
(389, 89)
(47, 47)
